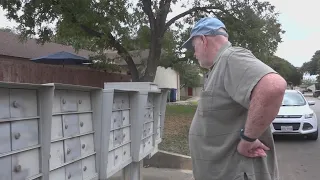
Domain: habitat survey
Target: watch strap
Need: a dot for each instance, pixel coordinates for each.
(246, 138)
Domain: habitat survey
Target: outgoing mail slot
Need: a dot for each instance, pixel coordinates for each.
(85, 123)
(87, 145)
(70, 125)
(4, 103)
(25, 164)
(72, 149)
(84, 101)
(24, 134)
(23, 103)
(89, 168)
(56, 155)
(56, 128)
(74, 171)
(5, 142)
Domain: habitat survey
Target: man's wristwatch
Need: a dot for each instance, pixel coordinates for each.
(246, 138)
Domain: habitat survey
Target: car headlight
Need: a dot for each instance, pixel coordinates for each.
(307, 116)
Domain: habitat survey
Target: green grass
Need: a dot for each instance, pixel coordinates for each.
(176, 128)
(181, 109)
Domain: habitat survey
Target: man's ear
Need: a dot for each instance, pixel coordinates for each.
(204, 40)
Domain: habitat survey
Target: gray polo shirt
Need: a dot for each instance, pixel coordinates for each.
(221, 113)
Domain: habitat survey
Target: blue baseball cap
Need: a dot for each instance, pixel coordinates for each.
(205, 26)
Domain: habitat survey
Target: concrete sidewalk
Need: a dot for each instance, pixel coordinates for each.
(161, 174)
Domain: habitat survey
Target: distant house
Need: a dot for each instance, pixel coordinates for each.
(11, 48)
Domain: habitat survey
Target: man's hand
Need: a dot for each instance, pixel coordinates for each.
(252, 149)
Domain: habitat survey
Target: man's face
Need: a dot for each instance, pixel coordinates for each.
(200, 45)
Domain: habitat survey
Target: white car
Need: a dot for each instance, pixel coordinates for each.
(296, 117)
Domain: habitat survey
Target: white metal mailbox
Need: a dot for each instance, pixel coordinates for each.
(118, 122)
(24, 115)
(68, 132)
(75, 133)
(152, 106)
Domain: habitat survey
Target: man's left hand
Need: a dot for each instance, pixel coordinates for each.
(252, 149)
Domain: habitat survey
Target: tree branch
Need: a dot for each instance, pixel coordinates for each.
(194, 9)
(121, 50)
(148, 10)
(162, 15)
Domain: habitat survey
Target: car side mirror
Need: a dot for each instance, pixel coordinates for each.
(311, 103)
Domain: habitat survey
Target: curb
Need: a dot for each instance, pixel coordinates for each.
(164, 159)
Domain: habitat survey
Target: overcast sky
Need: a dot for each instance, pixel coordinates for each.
(302, 35)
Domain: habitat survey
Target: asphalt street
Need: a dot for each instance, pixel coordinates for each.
(298, 158)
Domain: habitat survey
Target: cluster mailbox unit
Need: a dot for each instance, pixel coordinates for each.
(68, 132)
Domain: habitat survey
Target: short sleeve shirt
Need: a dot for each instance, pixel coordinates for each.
(221, 113)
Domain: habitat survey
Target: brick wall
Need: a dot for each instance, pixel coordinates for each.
(24, 71)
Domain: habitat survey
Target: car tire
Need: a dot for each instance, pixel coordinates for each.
(313, 136)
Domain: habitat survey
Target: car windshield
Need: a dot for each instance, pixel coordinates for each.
(293, 99)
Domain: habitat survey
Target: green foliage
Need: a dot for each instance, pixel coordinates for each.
(308, 82)
(290, 73)
(312, 67)
(124, 26)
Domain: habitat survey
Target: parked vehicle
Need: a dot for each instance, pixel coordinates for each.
(296, 117)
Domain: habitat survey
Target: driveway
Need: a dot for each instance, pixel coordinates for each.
(299, 159)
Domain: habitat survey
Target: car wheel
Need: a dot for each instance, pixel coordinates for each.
(313, 136)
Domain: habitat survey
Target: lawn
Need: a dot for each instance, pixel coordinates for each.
(176, 128)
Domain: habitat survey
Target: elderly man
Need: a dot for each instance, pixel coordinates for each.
(230, 136)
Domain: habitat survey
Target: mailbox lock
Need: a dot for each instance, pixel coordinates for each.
(83, 146)
(69, 176)
(124, 153)
(115, 120)
(81, 124)
(68, 151)
(17, 168)
(123, 118)
(85, 168)
(17, 135)
(15, 104)
(80, 101)
(66, 126)
(64, 102)
(116, 157)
